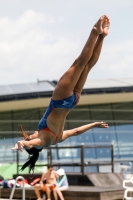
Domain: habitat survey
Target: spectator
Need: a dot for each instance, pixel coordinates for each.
(62, 185)
(50, 178)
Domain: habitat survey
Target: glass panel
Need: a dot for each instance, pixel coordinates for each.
(5, 122)
(4, 90)
(68, 153)
(103, 153)
(5, 126)
(78, 117)
(105, 83)
(105, 137)
(128, 80)
(41, 86)
(125, 150)
(101, 113)
(124, 128)
(42, 111)
(91, 169)
(125, 140)
(6, 154)
(23, 156)
(25, 126)
(20, 88)
(28, 127)
(71, 169)
(5, 115)
(123, 106)
(29, 114)
(87, 139)
(89, 153)
(123, 113)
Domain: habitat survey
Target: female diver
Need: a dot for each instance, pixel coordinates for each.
(65, 96)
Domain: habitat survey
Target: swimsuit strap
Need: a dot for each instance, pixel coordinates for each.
(77, 98)
(56, 136)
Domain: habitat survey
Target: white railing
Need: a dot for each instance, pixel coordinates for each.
(128, 189)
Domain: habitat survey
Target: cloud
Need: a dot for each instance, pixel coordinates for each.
(115, 61)
(29, 50)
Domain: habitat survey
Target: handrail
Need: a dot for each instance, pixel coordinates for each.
(82, 147)
(81, 163)
(13, 189)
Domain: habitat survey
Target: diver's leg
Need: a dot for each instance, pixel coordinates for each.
(69, 80)
(94, 58)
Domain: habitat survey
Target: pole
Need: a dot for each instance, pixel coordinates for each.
(112, 157)
(17, 156)
(82, 158)
(49, 156)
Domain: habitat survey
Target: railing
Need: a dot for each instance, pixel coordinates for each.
(14, 187)
(81, 163)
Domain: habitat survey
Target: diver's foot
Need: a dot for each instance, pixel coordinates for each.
(99, 24)
(106, 25)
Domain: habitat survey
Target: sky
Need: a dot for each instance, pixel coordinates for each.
(40, 39)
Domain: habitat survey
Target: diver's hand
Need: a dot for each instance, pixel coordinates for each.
(102, 124)
(19, 145)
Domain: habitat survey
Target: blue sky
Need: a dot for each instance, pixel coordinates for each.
(39, 39)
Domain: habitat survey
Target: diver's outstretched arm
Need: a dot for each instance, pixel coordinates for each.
(29, 144)
(82, 129)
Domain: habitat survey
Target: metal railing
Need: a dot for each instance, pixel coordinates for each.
(82, 163)
(14, 187)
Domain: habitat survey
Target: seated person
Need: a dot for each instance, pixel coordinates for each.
(62, 184)
(51, 178)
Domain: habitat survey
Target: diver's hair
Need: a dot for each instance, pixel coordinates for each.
(32, 159)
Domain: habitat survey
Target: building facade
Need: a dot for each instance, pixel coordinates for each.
(101, 100)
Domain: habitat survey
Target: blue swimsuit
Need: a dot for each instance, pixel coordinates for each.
(69, 103)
